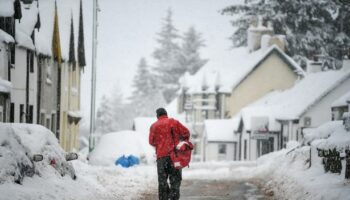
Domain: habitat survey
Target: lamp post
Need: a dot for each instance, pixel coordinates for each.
(93, 76)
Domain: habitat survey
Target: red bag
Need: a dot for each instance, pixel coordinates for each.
(181, 155)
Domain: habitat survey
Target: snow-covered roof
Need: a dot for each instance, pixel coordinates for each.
(25, 26)
(232, 68)
(6, 8)
(5, 86)
(220, 130)
(67, 9)
(76, 114)
(5, 37)
(342, 101)
(24, 40)
(43, 40)
(292, 103)
(329, 136)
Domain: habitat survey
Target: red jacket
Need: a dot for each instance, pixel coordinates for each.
(160, 135)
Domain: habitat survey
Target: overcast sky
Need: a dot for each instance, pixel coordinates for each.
(127, 31)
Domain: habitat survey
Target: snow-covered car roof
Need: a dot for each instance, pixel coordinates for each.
(18, 144)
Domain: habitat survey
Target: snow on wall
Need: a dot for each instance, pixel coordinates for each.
(6, 38)
(6, 8)
(25, 27)
(43, 40)
(5, 86)
(24, 40)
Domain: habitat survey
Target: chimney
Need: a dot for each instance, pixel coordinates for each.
(255, 33)
(346, 63)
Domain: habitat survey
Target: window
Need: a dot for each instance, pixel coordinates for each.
(21, 114)
(13, 54)
(49, 71)
(1, 114)
(307, 121)
(222, 148)
(30, 114)
(48, 123)
(12, 113)
(30, 60)
(205, 99)
(53, 123)
(42, 119)
(245, 149)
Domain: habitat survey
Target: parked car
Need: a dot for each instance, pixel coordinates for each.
(26, 150)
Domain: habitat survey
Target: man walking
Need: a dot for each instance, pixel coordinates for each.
(164, 134)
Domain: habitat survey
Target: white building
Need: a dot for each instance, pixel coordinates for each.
(306, 105)
(220, 142)
(24, 72)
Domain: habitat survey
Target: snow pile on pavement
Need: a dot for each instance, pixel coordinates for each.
(298, 173)
(114, 145)
(19, 142)
(93, 182)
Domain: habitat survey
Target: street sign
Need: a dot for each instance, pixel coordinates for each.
(261, 136)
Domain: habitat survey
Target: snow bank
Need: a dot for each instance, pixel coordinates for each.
(93, 182)
(297, 172)
(113, 145)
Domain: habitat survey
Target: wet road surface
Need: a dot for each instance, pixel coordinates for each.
(215, 190)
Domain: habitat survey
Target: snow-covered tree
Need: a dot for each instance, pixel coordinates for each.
(104, 116)
(113, 114)
(190, 59)
(166, 56)
(311, 27)
(146, 97)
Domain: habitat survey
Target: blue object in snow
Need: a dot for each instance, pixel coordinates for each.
(133, 160)
(123, 161)
(127, 162)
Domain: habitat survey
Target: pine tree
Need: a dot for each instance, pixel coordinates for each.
(146, 96)
(104, 117)
(141, 80)
(311, 27)
(190, 59)
(166, 56)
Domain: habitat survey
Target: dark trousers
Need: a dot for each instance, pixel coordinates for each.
(165, 171)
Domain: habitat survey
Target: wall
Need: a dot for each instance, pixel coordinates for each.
(48, 94)
(212, 151)
(3, 61)
(18, 79)
(272, 74)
